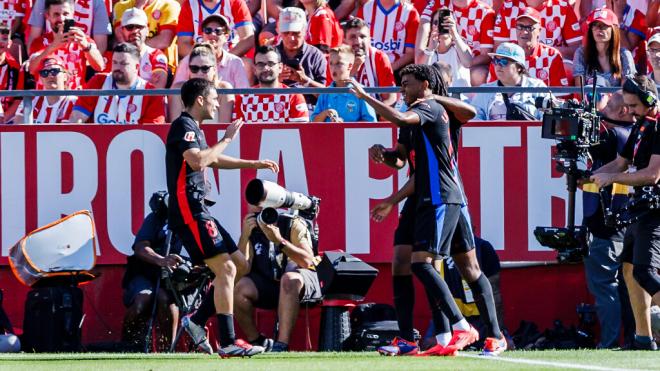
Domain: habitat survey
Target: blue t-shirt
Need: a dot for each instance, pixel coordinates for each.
(348, 106)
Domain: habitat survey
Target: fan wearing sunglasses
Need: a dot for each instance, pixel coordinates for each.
(202, 64)
(51, 109)
(153, 62)
(511, 71)
(229, 67)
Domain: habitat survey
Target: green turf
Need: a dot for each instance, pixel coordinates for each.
(327, 361)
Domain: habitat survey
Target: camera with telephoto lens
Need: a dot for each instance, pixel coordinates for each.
(270, 196)
(575, 125)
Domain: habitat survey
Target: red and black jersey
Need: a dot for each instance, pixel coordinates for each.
(186, 187)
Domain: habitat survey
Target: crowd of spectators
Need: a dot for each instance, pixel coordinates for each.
(138, 44)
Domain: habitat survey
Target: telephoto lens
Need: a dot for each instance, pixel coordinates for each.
(268, 215)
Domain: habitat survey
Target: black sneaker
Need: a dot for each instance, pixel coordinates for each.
(264, 342)
(279, 346)
(638, 345)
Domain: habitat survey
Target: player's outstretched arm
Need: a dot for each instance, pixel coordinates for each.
(228, 162)
(462, 111)
(388, 113)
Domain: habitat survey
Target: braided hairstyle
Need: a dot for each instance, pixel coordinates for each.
(431, 74)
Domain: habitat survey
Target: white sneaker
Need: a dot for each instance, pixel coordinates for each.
(240, 348)
(198, 335)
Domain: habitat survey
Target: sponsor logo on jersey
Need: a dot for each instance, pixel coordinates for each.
(551, 26)
(542, 74)
(104, 119)
(398, 26)
(189, 136)
(279, 107)
(131, 108)
(391, 45)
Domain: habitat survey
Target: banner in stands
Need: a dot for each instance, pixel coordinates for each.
(50, 171)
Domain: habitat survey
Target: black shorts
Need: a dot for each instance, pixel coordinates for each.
(641, 244)
(443, 230)
(205, 238)
(405, 231)
(268, 290)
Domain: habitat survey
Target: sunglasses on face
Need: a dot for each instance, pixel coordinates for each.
(525, 28)
(52, 72)
(196, 69)
(209, 30)
(133, 27)
(503, 62)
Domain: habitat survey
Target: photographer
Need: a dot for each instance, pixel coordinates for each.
(143, 270)
(638, 165)
(602, 265)
(277, 257)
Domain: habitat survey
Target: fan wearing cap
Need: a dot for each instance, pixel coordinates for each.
(51, 109)
(544, 62)
(229, 67)
(153, 62)
(193, 12)
(162, 20)
(511, 70)
(602, 51)
(115, 109)
(653, 55)
(9, 72)
(74, 47)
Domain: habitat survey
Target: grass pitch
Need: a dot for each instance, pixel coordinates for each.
(518, 360)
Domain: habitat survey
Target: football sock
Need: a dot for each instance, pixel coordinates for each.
(404, 302)
(226, 329)
(437, 288)
(483, 298)
(205, 310)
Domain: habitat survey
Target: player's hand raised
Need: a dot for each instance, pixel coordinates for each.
(233, 129)
(267, 164)
(355, 88)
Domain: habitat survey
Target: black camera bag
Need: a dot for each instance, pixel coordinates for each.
(372, 325)
(343, 276)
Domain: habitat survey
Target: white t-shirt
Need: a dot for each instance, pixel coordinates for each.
(459, 73)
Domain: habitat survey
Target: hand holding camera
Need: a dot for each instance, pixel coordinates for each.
(271, 231)
(249, 224)
(171, 261)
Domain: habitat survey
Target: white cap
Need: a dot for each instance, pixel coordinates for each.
(654, 39)
(134, 16)
(292, 20)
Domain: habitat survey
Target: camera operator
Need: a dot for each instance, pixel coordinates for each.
(602, 265)
(638, 165)
(143, 270)
(276, 276)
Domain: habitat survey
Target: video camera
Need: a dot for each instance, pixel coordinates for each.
(576, 127)
(271, 196)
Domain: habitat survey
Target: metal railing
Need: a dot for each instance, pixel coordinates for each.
(28, 95)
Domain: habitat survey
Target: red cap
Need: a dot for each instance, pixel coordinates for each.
(603, 15)
(530, 13)
(52, 60)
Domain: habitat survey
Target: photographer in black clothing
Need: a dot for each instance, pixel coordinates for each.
(275, 275)
(143, 270)
(638, 165)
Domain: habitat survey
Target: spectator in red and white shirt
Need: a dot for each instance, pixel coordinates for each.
(91, 17)
(323, 29)
(51, 109)
(74, 47)
(543, 61)
(14, 15)
(559, 24)
(633, 23)
(114, 109)
(9, 71)
(653, 52)
(153, 62)
(475, 21)
(264, 108)
(371, 67)
(193, 12)
(392, 25)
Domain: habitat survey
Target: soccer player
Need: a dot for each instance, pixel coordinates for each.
(153, 62)
(187, 158)
(114, 109)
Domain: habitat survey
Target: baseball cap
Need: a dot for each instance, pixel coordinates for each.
(134, 16)
(51, 61)
(603, 15)
(292, 20)
(654, 39)
(511, 51)
(219, 18)
(530, 13)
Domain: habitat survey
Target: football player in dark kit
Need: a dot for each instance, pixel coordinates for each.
(187, 158)
(442, 223)
(638, 165)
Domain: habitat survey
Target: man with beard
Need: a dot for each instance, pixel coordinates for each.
(372, 67)
(263, 108)
(74, 47)
(153, 62)
(115, 109)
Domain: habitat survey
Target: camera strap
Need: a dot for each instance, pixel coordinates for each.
(638, 140)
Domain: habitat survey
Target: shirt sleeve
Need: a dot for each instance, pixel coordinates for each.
(384, 70)
(185, 136)
(627, 150)
(101, 24)
(638, 25)
(149, 229)
(627, 63)
(37, 16)
(411, 26)
(170, 16)
(241, 13)
(153, 110)
(185, 26)
(300, 235)
(321, 105)
(428, 10)
(578, 62)
(158, 61)
(298, 111)
(425, 112)
(37, 45)
(488, 23)
(501, 30)
(367, 113)
(557, 72)
(572, 31)
(87, 104)
(320, 68)
(320, 31)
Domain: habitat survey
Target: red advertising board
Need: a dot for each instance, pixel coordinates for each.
(50, 171)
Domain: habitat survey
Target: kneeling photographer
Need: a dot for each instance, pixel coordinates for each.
(638, 165)
(143, 270)
(602, 264)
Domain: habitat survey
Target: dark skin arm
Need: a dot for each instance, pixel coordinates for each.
(388, 113)
(394, 158)
(146, 253)
(462, 111)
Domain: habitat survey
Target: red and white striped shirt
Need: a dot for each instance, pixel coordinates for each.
(559, 23)
(270, 108)
(71, 53)
(193, 13)
(56, 113)
(545, 64)
(376, 70)
(9, 76)
(392, 30)
(474, 23)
